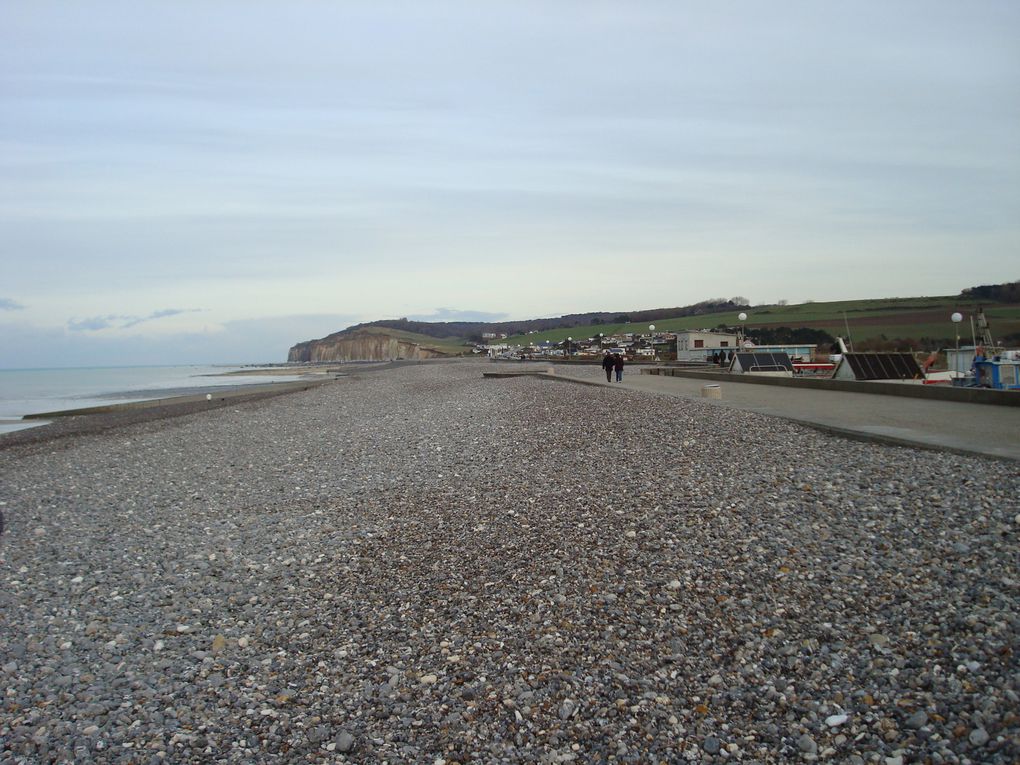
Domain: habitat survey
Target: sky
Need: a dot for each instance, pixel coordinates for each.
(215, 181)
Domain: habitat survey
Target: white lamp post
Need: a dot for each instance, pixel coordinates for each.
(568, 347)
(956, 318)
(741, 317)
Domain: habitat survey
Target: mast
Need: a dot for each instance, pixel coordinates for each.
(986, 332)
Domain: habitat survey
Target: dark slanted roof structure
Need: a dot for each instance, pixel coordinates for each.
(878, 366)
(761, 362)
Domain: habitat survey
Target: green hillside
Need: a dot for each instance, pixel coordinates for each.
(888, 319)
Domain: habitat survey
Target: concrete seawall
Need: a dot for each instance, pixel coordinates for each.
(929, 392)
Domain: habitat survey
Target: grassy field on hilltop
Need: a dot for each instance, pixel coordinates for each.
(916, 317)
(452, 345)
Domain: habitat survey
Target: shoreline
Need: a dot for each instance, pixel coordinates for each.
(201, 394)
(97, 419)
(68, 423)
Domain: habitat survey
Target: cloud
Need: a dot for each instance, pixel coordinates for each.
(162, 314)
(121, 321)
(453, 314)
(94, 323)
(588, 159)
(6, 304)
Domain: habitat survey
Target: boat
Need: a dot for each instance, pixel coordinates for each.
(1001, 371)
(987, 365)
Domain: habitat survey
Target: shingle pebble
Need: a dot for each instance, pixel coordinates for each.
(420, 565)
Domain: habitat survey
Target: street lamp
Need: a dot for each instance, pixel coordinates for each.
(568, 347)
(741, 317)
(956, 318)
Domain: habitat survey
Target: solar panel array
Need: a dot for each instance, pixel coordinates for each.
(883, 366)
(765, 362)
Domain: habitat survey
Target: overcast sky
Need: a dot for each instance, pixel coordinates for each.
(216, 180)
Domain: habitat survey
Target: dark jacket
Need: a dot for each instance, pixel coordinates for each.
(607, 362)
(618, 362)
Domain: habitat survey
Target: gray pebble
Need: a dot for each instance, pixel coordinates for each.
(807, 744)
(916, 720)
(978, 737)
(344, 742)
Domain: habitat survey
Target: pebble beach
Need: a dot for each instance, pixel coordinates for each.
(419, 565)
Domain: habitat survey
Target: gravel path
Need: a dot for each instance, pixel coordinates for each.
(425, 566)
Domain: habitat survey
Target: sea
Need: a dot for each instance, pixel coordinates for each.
(34, 391)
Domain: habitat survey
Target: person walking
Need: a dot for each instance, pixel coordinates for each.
(607, 365)
(618, 366)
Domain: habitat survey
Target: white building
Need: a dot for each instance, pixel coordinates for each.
(698, 345)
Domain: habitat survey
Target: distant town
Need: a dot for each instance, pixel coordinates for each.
(982, 364)
(698, 346)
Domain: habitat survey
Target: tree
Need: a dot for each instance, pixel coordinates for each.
(789, 336)
(1003, 293)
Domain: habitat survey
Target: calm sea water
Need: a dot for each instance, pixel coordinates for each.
(30, 391)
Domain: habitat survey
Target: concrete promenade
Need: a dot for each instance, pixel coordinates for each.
(960, 427)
